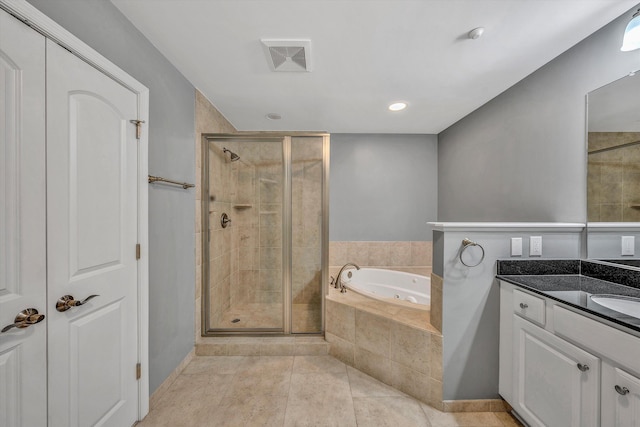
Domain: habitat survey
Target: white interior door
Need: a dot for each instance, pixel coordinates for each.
(91, 243)
(23, 363)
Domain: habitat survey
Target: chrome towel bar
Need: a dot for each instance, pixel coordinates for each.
(184, 185)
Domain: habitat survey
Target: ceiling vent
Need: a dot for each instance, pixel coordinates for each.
(288, 55)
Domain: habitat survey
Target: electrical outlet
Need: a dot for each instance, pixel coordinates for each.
(628, 245)
(535, 246)
(516, 246)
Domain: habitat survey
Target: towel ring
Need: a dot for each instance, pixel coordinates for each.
(467, 243)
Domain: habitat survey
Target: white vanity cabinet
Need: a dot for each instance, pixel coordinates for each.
(555, 382)
(559, 367)
(620, 397)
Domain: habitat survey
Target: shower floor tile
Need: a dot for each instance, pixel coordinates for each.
(306, 318)
(294, 391)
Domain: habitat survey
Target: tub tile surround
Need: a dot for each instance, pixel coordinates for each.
(396, 345)
(410, 257)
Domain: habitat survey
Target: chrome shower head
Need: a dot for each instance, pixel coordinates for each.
(233, 155)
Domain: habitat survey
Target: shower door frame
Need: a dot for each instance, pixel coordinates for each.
(206, 330)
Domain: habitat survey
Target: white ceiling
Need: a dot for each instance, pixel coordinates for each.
(366, 54)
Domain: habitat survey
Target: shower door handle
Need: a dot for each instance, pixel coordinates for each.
(224, 220)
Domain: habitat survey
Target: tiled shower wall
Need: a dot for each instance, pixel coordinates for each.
(258, 211)
(208, 120)
(411, 257)
(613, 178)
(223, 242)
(306, 243)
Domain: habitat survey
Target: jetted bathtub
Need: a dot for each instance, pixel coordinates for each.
(389, 285)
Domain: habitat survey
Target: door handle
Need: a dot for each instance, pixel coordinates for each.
(67, 302)
(25, 319)
(621, 390)
(583, 368)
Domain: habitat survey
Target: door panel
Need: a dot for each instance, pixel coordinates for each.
(97, 203)
(97, 340)
(620, 398)
(23, 398)
(549, 388)
(91, 238)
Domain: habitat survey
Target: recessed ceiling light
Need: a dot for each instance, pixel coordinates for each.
(273, 116)
(476, 33)
(398, 106)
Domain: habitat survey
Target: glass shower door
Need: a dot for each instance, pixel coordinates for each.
(246, 182)
(307, 179)
(264, 262)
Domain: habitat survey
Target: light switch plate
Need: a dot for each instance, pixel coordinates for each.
(535, 246)
(516, 246)
(628, 245)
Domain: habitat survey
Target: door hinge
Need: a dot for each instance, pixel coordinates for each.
(137, 251)
(138, 371)
(138, 124)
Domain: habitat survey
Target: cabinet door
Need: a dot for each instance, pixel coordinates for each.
(620, 398)
(555, 383)
(23, 357)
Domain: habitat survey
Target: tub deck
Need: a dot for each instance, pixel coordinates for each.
(400, 311)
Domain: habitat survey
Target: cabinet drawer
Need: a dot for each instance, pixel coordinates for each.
(616, 345)
(528, 306)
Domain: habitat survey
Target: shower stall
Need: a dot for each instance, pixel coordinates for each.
(265, 216)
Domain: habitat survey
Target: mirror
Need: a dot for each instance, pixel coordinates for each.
(613, 170)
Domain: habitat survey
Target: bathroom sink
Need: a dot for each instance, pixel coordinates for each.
(626, 305)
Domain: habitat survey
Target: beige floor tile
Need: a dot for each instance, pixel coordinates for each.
(314, 364)
(363, 385)
(176, 417)
(319, 387)
(188, 400)
(189, 390)
(320, 399)
(455, 419)
(389, 411)
(338, 414)
(259, 365)
(267, 383)
(508, 420)
(294, 391)
(260, 410)
(218, 365)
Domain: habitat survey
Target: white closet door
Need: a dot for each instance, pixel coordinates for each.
(23, 364)
(91, 239)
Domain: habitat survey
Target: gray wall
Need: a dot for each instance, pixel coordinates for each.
(521, 157)
(171, 154)
(383, 187)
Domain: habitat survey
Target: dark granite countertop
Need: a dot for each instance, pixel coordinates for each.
(575, 290)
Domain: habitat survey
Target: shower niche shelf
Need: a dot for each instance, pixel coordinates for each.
(241, 206)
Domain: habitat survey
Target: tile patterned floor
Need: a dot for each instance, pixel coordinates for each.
(295, 391)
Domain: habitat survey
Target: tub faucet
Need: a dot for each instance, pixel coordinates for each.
(338, 282)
